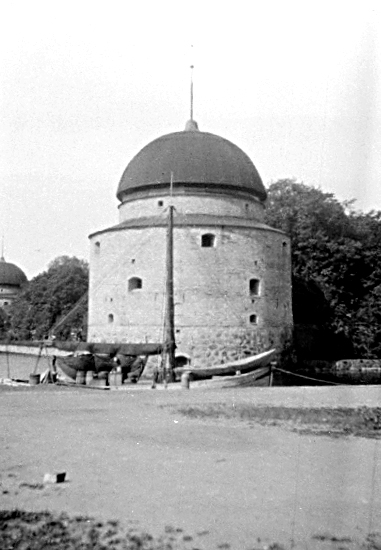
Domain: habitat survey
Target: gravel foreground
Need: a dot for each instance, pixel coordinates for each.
(260, 468)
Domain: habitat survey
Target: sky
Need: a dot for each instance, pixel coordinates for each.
(85, 85)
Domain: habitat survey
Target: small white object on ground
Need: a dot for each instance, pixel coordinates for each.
(55, 478)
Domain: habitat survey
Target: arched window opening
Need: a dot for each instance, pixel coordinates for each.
(182, 360)
(160, 203)
(253, 319)
(134, 284)
(110, 318)
(208, 240)
(97, 247)
(254, 287)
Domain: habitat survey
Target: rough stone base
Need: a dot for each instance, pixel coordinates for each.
(206, 347)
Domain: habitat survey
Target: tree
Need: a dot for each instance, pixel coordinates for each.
(337, 249)
(49, 299)
(4, 323)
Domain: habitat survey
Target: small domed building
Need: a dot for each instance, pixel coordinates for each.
(12, 278)
(232, 273)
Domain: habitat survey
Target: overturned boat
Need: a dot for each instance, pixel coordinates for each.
(105, 358)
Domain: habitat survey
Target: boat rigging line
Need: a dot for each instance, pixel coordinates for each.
(309, 377)
(116, 264)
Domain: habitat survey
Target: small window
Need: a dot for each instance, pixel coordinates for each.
(253, 319)
(160, 203)
(97, 247)
(182, 360)
(208, 240)
(110, 318)
(254, 287)
(134, 284)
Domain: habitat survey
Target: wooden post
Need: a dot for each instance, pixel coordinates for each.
(272, 365)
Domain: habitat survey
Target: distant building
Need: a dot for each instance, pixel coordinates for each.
(12, 278)
(232, 273)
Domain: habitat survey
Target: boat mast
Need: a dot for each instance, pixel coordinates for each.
(170, 344)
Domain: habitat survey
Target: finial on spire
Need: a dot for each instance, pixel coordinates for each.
(191, 125)
(191, 93)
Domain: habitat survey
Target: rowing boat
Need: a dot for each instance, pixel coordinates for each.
(240, 366)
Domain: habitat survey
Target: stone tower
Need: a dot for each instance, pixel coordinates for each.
(232, 273)
(12, 278)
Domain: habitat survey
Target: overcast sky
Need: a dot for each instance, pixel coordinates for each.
(85, 85)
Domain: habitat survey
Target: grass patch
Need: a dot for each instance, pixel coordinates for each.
(360, 422)
(45, 531)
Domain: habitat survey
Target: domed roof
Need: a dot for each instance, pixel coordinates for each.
(196, 159)
(10, 274)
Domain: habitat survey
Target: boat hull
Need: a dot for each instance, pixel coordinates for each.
(131, 367)
(259, 377)
(71, 364)
(241, 366)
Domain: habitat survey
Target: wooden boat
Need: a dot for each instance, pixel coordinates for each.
(240, 366)
(131, 367)
(111, 349)
(71, 364)
(258, 377)
(105, 357)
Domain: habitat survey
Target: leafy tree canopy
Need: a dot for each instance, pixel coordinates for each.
(48, 300)
(339, 250)
(4, 323)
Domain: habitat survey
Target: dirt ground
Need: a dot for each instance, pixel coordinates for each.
(206, 483)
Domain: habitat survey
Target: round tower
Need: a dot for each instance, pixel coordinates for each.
(232, 273)
(12, 278)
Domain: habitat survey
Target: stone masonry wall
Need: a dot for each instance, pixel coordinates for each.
(213, 303)
(223, 205)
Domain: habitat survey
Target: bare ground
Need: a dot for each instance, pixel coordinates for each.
(195, 470)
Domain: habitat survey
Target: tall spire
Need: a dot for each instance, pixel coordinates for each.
(191, 125)
(2, 249)
(191, 93)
